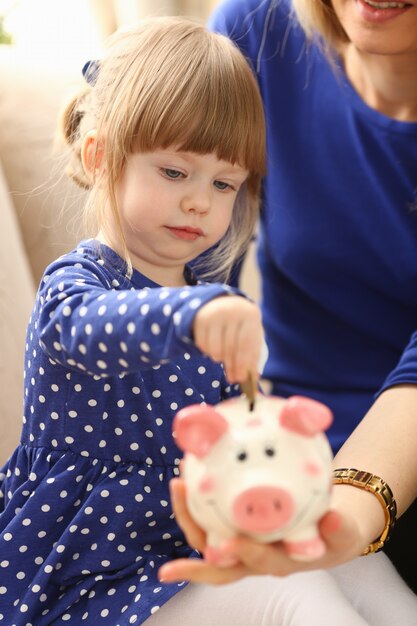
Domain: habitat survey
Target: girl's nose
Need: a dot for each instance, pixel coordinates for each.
(197, 201)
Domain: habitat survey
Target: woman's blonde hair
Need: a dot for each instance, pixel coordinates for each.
(319, 17)
(170, 82)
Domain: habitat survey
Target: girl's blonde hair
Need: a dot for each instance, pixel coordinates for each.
(319, 17)
(170, 82)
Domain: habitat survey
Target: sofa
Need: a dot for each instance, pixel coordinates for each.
(39, 211)
(39, 216)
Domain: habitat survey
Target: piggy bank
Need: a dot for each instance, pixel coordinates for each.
(265, 473)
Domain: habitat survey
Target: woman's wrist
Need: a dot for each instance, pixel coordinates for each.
(379, 488)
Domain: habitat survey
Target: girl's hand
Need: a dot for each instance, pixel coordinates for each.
(339, 531)
(229, 330)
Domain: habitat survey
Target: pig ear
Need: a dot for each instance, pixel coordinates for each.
(305, 416)
(197, 428)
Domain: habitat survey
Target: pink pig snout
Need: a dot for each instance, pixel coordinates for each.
(263, 509)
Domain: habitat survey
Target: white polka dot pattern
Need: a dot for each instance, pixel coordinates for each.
(85, 516)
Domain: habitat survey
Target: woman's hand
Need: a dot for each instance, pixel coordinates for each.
(338, 530)
(229, 330)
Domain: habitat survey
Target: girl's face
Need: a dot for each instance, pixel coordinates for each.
(376, 28)
(174, 206)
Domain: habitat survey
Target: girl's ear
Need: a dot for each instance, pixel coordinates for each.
(92, 155)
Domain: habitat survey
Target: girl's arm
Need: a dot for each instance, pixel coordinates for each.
(86, 324)
(384, 443)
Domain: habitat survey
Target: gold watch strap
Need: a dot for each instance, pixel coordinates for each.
(381, 489)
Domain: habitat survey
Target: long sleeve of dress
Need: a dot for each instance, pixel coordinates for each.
(85, 323)
(406, 370)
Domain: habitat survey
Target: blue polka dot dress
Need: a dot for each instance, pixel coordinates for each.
(85, 516)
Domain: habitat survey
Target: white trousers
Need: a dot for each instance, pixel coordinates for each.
(365, 592)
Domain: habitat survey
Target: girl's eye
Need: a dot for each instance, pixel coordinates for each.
(219, 184)
(171, 173)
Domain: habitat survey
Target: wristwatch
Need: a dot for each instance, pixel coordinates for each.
(377, 486)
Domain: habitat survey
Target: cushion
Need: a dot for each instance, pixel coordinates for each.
(47, 204)
(16, 300)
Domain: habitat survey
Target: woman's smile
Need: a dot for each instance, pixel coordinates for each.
(378, 12)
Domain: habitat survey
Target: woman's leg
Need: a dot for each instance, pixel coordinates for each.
(376, 590)
(312, 599)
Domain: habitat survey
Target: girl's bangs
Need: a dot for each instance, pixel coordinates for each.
(210, 109)
(232, 137)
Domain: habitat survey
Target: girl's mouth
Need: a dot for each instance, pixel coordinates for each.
(187, 233)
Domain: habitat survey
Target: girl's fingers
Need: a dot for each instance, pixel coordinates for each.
(242, 345)
(200, 335)
(212, 341)
(217, 334)
(229, 352)
(229, 330)
(248, 346)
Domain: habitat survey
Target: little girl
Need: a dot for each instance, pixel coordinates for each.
(169, 136)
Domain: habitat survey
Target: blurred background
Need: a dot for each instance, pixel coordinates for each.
(69, 31)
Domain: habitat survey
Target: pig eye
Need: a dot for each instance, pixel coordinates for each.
(242, 456)
(270, 451)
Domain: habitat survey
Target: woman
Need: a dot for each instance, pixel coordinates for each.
(338, 241)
